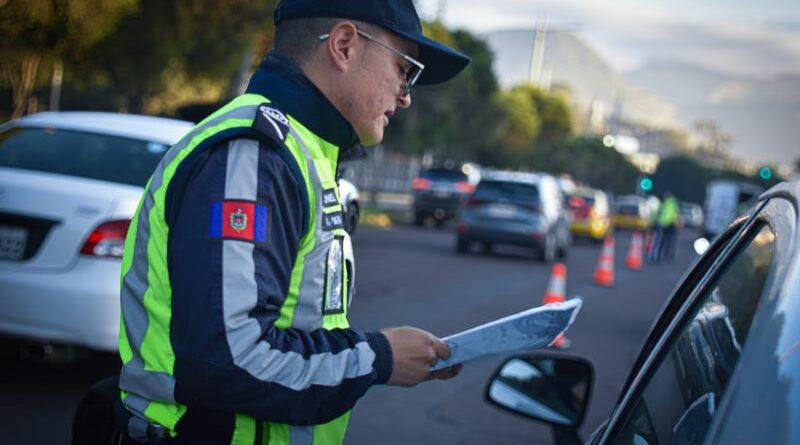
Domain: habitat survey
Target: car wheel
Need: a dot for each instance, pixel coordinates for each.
(562, 253)
(549, 250)
(353, 217)
(462, 245)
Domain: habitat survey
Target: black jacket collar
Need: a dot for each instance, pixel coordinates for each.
(284, 83)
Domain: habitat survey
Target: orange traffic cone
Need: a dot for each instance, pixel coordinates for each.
(604, 274)
(556, 293)
(634, 258)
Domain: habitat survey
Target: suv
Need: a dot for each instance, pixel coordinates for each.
(438, 194)
(516, 208)
(721, 362)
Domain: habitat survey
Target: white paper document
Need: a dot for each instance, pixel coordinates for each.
(522, 332)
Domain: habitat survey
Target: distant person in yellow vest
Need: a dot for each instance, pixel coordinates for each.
(666, 223)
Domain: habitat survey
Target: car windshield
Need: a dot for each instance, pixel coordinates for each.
(81, 154)
(628, 209)
(507, 191)
(443, 174)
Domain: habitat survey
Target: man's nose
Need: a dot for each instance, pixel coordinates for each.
(404, 100)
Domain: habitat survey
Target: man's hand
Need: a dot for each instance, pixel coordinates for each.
(414, 351)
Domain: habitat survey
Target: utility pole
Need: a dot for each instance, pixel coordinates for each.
(537, 58)
(441, 10)
(55, 85)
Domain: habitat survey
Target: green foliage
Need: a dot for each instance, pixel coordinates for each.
(588, 160)
(201, 39)
(687, 179)
(38, 32)
(455, 119)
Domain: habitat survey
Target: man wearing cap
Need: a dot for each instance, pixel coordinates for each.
(237, 274)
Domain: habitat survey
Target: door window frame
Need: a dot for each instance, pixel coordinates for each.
(683, 304)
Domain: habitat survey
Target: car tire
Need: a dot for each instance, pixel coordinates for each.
(549, 249)
(353, 217)
(462, 245)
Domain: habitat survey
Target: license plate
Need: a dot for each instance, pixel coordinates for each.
(501, 211)
(442, 194)
(12, 242)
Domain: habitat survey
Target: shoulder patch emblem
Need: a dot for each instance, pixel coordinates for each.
(239, 220)
(271, 122)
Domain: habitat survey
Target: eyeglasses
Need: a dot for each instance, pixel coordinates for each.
(412, 73)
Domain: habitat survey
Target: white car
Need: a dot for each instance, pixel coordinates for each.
(69, 185)
(352, 210)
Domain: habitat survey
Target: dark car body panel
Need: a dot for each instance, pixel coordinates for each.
(761, 400)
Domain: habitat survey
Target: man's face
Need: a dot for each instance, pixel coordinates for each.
(375, 86)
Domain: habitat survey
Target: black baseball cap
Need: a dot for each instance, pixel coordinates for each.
(398, 16)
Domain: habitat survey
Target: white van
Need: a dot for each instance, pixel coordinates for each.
(725, 200)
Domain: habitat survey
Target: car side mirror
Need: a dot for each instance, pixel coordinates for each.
(551, 388)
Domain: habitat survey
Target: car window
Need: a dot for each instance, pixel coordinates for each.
(628, 209)
(678, 402)
(442, 174)
(82, 154)
(507, 191)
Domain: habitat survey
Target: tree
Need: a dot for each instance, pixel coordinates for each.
(160, 46)
(37, 31)
(518, 128)
(456, 119)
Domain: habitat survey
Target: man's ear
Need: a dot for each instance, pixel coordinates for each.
(341, 45)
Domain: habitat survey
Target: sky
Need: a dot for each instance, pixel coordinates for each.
(753, 38)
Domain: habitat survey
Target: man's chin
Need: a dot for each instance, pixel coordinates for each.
(372, 139)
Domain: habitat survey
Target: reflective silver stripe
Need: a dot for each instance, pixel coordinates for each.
(134, 284)
(301, 435)
(240, 294)
(152, 385)
(136, 405)
(308, 312)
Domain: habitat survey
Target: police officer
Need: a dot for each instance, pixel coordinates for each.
(235, 278)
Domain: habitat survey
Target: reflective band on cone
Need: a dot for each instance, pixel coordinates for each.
(634, 258)
(604, 274)
(556, 293)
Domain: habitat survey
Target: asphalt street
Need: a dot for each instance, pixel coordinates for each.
(409, 276)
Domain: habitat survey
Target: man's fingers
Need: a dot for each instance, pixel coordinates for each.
(442, 350)
(446, 373)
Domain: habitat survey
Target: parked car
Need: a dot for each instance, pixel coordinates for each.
(69, 185)
(691, 215)
(721, 362)
(521, 209)
(632, 213)
(438, 194)
(350, 204)
(591, 213)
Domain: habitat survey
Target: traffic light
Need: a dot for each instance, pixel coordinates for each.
(765, 173)
(646, 184)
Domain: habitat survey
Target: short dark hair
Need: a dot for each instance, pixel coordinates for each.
(298, 38)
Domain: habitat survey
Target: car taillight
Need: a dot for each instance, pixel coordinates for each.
(465, 187)
(107, 240)
(421, 184)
